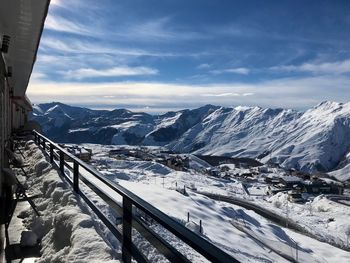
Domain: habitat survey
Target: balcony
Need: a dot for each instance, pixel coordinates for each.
(68, 196)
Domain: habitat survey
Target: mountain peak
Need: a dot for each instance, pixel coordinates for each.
(329, 104)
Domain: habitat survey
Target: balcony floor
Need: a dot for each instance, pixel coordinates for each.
(14, 251)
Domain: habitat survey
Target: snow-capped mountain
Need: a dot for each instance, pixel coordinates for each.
(315, 140)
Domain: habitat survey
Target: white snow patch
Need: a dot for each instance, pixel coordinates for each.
(67, 233)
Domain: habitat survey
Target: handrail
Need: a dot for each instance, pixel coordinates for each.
(129, 250)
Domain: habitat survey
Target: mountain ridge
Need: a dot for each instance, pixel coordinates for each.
(314, 140)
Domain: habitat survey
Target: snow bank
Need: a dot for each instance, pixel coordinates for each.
(278, 199)
(66, 230)
(322, 217)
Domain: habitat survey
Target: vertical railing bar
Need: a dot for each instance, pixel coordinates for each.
(76, 177)
(127, 225)
(62, 162)
(51, 153)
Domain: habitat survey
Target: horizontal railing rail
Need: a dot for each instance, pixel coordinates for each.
(204, 247)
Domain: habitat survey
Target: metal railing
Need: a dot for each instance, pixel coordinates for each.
(205, 248)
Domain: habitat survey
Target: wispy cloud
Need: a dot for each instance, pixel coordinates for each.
(78, 46)
(241, 71)
(56, 2)
(58, 23)
(298, 93)
(228, 94)
(84, 73)
(159, 29)
(338, 67)
(37, 76)
(203, 66)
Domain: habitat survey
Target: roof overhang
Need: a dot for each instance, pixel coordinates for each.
(23, 102)
(23, 21)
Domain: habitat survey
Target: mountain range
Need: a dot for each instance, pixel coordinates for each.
(314, 140)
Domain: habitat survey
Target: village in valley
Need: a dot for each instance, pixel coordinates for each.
(269, 178)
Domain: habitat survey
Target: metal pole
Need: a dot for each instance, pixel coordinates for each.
(76, 177)
(200, 226)
(51, 153)
(44, 144)
(188, 216)
(127, 225)
(62, 162)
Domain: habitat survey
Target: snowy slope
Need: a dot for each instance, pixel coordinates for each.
(315, 140)
(64, 123)
(156, 184)
(172, 128)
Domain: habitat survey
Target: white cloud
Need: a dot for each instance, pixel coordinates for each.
(56, 2)
(38, 75)
(203, 66)
(241, 71)
(221, 94)
(61, 24)
(75, 46)
(289, 92)
(84, 73)
(338, 67)
(158, 29)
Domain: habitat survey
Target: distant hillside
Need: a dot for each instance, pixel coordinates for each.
(315, 140)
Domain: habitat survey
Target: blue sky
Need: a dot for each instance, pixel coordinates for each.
(171, 54)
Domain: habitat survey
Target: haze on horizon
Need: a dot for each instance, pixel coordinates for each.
(156, 56)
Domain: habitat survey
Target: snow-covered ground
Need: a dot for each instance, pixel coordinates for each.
(246, 235)
(66, 229)
(321, 216)
(243, 233)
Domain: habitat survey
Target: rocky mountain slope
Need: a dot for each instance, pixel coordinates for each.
(315, 140)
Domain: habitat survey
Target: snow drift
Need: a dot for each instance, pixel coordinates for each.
(65, 228)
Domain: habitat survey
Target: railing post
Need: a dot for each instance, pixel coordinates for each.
(76, 177)
(62, 162)
(35, 137)
(44, 144)
(127, 225)
(51, 153)
(38, 141)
